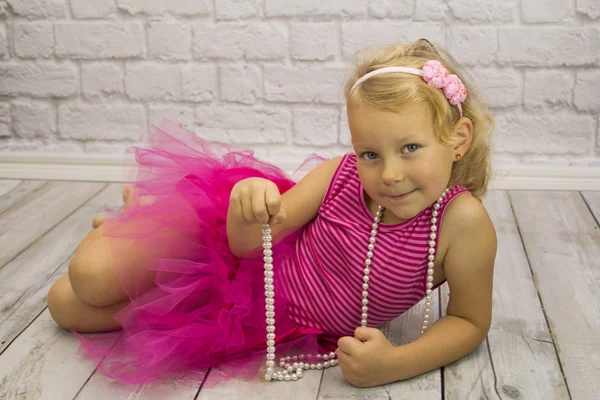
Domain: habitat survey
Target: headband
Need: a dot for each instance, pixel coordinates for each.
(436, 76)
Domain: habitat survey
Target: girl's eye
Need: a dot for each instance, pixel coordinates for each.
(369, 155)
(411, 148)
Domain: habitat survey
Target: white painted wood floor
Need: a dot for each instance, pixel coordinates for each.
(544, 342)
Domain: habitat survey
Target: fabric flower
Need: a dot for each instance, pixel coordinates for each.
(435, 74)
(455, 90)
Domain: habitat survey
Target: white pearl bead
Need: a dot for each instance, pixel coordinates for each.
(268, 377)
(368, 261)
(268, 259)
(432, 243)
(313, 366)
(365, 309)
(428, 298)
(290, 369)
(279, 377)
(271, 349)
(430, 264)
(367, 271)
(430, 278)
(433, 228)
(370, 254)
(282, 363)
(372, 240)
(371, 246)
(365, 294)
(365, 301)
(364, 316)
(435, 213)
(431, 257)
(270, 356)
(332, 354)
(319, 366)
(432, 236)
(430, 285)
(294, 377)
(268, 252)
(271, 336)
(428, 291)
(366, 278)
(431, 251)
(270, 363)
(363, 322)
(365, 286)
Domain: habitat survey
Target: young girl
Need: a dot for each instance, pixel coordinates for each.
(357, 242)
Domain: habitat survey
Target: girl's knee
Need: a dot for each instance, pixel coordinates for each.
(91, 272)
(60, 300)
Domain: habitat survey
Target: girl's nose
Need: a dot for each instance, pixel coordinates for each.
(392, 174)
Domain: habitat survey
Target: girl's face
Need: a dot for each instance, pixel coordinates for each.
(401, 165)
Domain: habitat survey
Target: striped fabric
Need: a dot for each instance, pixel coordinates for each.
(323, 281)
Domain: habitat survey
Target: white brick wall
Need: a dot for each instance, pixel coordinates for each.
(89, 75)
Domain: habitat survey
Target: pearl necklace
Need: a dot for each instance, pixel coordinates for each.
(293, 367)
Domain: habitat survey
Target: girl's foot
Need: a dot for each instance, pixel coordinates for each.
(128, 199)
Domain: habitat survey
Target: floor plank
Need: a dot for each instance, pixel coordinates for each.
(23, 223)
(519, 341)
(41, 364)
(401, 330)
(303, 389)
(101, 387)
(6, 185)
(18, 193)
(592, 199)
(562, 241)
(25, 281)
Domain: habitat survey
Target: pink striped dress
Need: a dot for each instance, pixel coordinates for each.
(323, 279)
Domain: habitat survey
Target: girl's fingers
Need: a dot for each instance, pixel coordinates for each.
(273, 200)
(246, 201)
(259, 207)
(235, 204)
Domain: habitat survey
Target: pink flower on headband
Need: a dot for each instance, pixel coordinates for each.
(454, 90)
(437, 76)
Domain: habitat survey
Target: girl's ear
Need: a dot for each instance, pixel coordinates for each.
(463, 136)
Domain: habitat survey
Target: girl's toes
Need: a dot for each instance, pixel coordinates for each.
(128, 195)
(97, 222)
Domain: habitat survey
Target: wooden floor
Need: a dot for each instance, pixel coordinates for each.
(544, 342)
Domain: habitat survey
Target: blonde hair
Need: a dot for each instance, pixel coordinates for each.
(390, 92)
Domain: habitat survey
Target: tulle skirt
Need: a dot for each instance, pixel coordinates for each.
(193, 304)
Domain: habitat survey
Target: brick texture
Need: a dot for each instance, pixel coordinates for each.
(89, 75)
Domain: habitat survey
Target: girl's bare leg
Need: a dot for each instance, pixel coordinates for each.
(72, 313)
(86, 298)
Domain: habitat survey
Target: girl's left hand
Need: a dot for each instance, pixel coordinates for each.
(366, 359)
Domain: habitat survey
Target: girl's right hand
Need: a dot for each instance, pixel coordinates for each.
(256, 200)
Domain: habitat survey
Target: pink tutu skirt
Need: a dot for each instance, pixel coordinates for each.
(193, 304)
